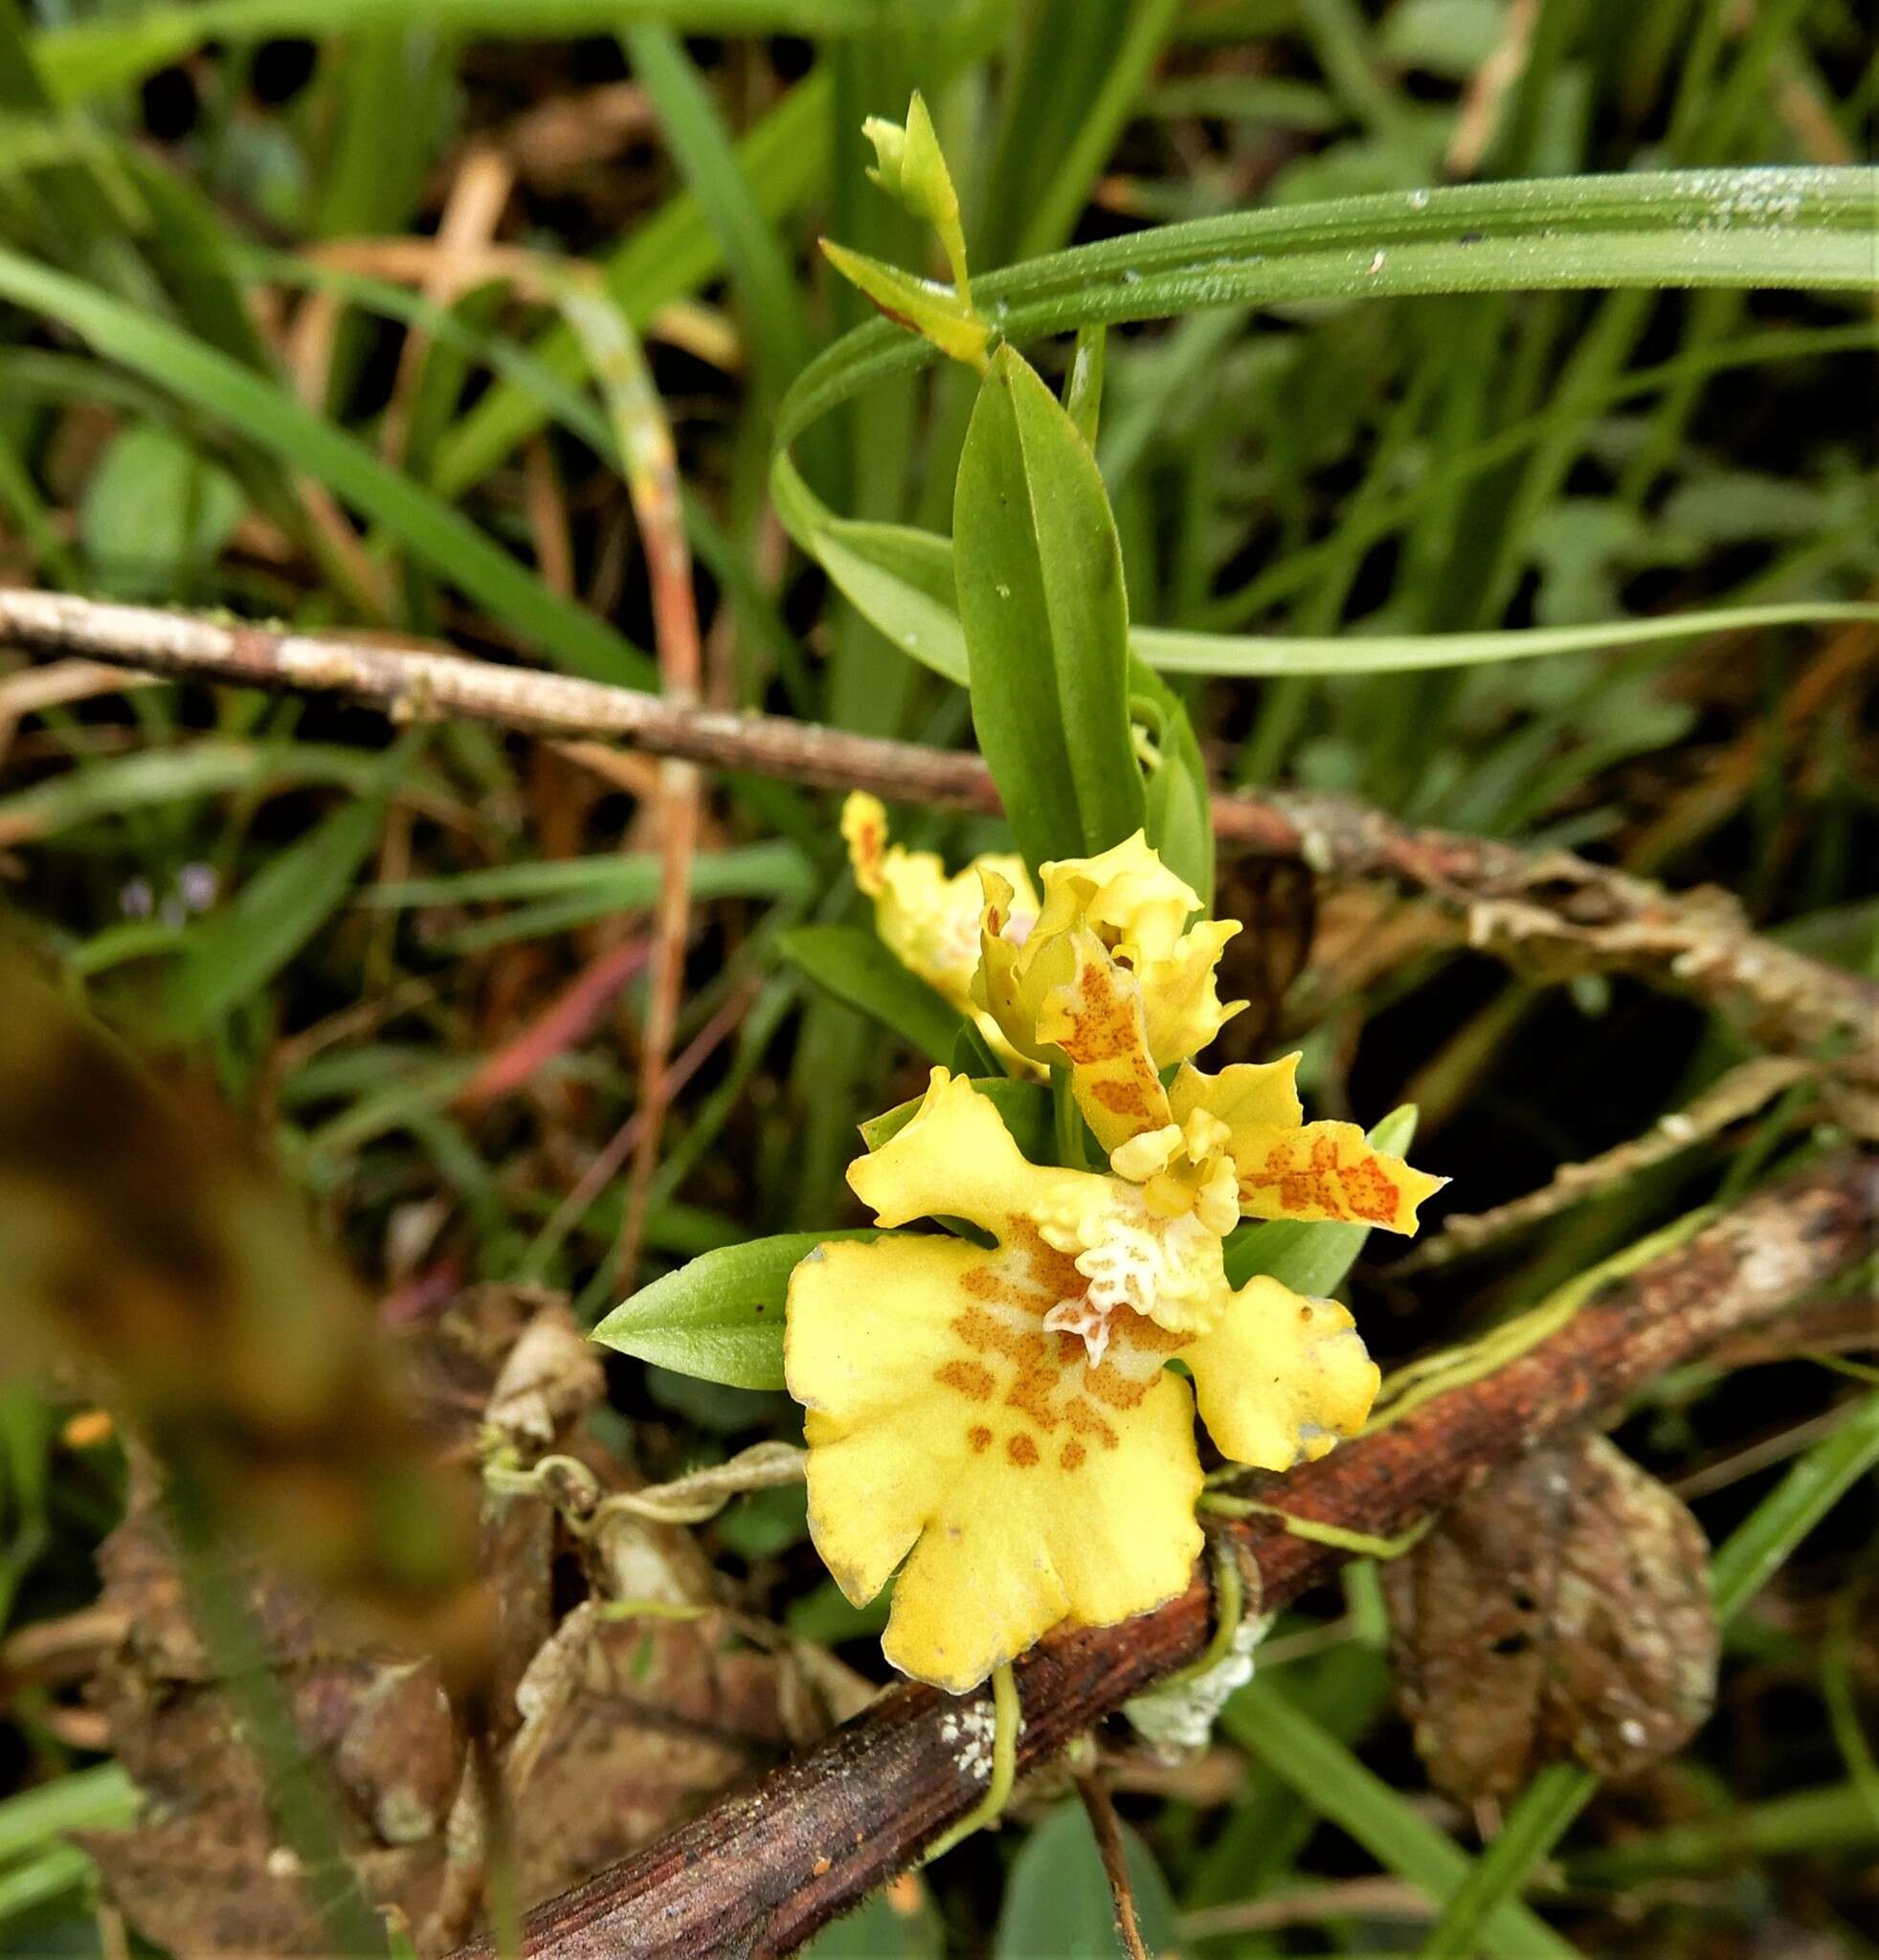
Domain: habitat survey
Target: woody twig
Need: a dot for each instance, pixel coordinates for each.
(761, 1872)
(1548, 912)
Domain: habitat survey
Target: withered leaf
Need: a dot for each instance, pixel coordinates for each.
(1561, 1610)
(623, 1696)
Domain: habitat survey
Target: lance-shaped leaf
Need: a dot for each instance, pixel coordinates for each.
(1181, 819)
(720, 1317)
(1045, 619)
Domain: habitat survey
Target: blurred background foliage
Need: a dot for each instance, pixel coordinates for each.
(268, 342)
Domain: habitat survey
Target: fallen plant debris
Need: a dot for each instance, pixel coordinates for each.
(1561, 1611)
(639, 1682)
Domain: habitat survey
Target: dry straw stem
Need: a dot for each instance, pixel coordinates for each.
(1744, 1090)
(1549, 912)
(761, 1872)
(1107, 1829)
(650, 464)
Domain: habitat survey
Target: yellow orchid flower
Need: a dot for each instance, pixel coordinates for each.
(929, 921)
(1285, 1167)
(1004, 1420)
(1110, 981)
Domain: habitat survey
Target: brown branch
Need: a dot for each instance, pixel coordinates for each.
(1743, 1091)
(1106, 1827)
(762, 1871)
(1548, 912)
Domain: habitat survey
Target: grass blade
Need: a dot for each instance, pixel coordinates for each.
(768, 292)
(1567, 233)
(1812, 1486)
(1330, 1778)
(270, 416)
(98, 56)
(1754, 1551)
(238, 950)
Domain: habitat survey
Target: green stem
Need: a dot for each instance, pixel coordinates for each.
(1536, 1824)
(1004, 1766)
(1071, 1152)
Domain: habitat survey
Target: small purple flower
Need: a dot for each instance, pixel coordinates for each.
(198, 886)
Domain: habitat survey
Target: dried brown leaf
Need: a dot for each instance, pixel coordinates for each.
(1561, 1610)
(610, 1724)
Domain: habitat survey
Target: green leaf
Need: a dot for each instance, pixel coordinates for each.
(1045, 620)
(1312, 1259)
(102, 1799)
(972, 1055)
(269, 415)
(766, 1522)
(783, 158)
(900, 580)
(763, 274)
(1811, 230)
(825, 1617)
(156, 777)
(155, 515)
(721, 1317)
(1025, 1106)
(1445, 38)
(1180, 817)
(97, 56)
(898, 577)
(1537, 1820)
(849, 962)
(1057, 1900)
(238, 948)
(1757, 1547)
(614, 881)
(1265, 1722)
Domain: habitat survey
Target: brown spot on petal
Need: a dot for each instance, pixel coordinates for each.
(1369, 1193)
(1302, 1187)
(986, 1333)
(1085, 1422)
(984, 1282)
(1021, 1450)
(1031, 1393)
(1110, 1384)
(980, 1438)
(968, 1377)
(1053, 1273)
(1098, 1026)
(1072, 1455)
(1150, 1336)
